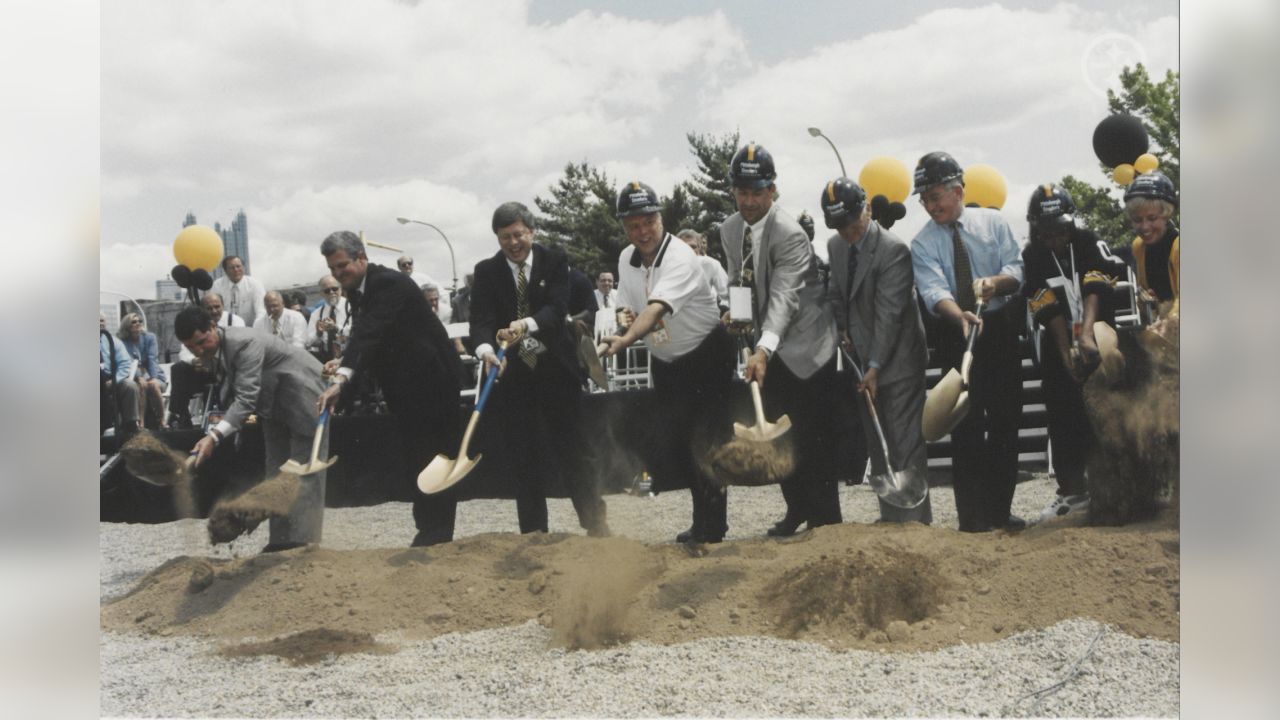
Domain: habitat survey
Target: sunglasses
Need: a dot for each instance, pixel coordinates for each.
(330, 291)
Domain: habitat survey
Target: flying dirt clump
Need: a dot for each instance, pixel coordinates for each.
(146, 457)
(596, 593)
(273, 497)
(748, 462)
(866, 591)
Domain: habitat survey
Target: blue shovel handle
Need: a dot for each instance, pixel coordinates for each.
(323, 417)
(490, 380)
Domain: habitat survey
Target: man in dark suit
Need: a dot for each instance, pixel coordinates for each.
(398, 339)
(264, 375)
(872, 290)
(521, 297)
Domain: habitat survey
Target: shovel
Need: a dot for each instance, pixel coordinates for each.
(316, 464)
(948, 401)
(589, 354)
(443, 472)
(762, 431)
(905, 488)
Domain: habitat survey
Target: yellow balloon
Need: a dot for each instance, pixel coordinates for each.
(886, 176)
(198, 247)
(985, 186)
(1123, 174)
(1146, 162)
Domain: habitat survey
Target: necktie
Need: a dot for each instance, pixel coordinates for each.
(353, 302)
(522, 311)
(606, 299)
(746, 274)
(275, 326)
(853, 266)
(964, 273)
(235, 298)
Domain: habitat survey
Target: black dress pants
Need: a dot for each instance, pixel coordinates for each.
(692, 397)
(810, 493)
(984, 446)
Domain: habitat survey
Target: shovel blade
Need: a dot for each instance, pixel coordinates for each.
(767, 432)
(905, 489)
(297, 468)
(940, 405)
(435, 476)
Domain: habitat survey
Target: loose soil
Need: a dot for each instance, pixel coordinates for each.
(895, 587)
(273, 497)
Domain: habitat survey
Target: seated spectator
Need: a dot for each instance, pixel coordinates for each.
(329, 325)
(431, 292)
(296, 300)
(114, 368)
(286, 324)
(142, 348)
(212, 302)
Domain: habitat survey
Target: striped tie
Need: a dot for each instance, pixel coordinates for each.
(964, 273)
(522, 311)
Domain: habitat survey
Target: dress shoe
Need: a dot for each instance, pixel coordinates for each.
(699, 538)
(1015, 523)
(600, 530)
(975, 528)
(277, 547)
(786, 527)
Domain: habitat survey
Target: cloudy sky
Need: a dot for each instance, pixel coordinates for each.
(317, 116)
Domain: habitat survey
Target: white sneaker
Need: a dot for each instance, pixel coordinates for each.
(1064, 504)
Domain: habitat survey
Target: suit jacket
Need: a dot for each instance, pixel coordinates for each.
(493, 303)
(878, 308)
(395, 335)
(790, 298)
(266, 375)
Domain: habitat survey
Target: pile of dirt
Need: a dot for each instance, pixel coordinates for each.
(311, 646)
(230, 518)
(899, 587)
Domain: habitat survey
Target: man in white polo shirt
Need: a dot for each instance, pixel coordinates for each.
(672, 306)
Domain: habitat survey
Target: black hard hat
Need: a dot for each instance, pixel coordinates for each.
(637, 198)
(1155, 185)
(752, 167)
(936, 168)
(842, 200)
(1051, 204)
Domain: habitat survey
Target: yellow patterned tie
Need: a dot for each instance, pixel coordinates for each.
(522, 311)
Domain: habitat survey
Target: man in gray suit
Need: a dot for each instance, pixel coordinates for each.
(280, 382)
(872, 289)
(770, 255)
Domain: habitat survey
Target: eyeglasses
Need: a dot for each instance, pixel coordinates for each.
(405, 265)
(330, 291)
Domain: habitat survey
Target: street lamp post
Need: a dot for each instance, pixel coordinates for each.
(815, 132)
(452, 261)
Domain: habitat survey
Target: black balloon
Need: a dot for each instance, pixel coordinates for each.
(879, 206)
(201, 279)
(897, 210)
(1119, 139)
(181, 274)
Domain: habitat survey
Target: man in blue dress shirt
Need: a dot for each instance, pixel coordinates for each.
(963, 256)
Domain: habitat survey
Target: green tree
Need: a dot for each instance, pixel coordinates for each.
(680, 210)
(1157, 105)
(579, 218)
(710, 188)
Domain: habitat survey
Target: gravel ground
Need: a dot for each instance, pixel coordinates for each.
(510, 672)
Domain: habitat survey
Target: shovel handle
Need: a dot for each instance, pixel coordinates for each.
(491, 379)
(967, 361)
(315, 443)
(871, 407)
(755, 392)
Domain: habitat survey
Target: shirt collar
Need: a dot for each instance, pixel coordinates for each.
(515, 267)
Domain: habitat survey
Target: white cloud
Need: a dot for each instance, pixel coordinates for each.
(315, 116)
